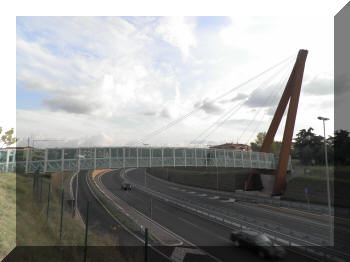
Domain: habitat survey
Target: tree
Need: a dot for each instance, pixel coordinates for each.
(309, 148)
(7, 139)
(257, 144)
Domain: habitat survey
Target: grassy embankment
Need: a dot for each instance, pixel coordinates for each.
(7, 213)
(314, 178)
(33, 227)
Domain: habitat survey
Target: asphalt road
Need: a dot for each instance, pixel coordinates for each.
(101, 222)
(308, 229)
(206, 234)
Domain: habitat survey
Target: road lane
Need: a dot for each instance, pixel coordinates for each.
(208, 235)
(276, 220)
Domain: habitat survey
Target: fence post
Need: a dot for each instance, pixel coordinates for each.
(48, 203)
(86, 230)
(41, 187)
(146, 244)
(61, 214)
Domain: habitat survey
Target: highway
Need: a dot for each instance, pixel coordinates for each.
(102, 223)
(208, 235)
(299, 226)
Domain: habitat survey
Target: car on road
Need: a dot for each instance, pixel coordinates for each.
(258, 242)
(126, 186)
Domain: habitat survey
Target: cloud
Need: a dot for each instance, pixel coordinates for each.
(238, 97)
(264, 97)
(209, 107)
(177, 31)
(125, 77)
(239, 122)
(165, 113)
(69, 105)
(319, 85)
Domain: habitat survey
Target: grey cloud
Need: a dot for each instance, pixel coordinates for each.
(162, 113)
(270, 111)
(165, 113)
(238, 97)
(149, 113)
(319, 86)
(239, 122)
(262, 97)
(209, 107)
(69, 104)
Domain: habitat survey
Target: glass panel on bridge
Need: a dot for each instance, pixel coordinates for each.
(71, 153)
(54, 154)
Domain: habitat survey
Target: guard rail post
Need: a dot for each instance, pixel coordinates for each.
(86, 230)
(48, 202)
(62, 196)
(146, 244)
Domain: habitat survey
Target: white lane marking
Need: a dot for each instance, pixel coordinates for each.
(230, 200)
(191, 192)
(202, 229)
(263, 211)
(214, 197)
(181, 238)
(179, 253)
(202, 195)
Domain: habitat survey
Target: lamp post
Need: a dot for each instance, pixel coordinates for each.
(327, 177)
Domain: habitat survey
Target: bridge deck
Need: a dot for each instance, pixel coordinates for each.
(72, 159)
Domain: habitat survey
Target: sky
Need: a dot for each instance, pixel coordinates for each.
(112, 80)
(100, 81)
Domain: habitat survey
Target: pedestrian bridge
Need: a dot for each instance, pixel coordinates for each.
(73, 159)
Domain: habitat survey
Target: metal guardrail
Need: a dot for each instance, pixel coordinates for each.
(73, 159)
(107, 203)
(324, 253)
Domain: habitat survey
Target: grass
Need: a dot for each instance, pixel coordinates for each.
(7, 213)
(33, 228)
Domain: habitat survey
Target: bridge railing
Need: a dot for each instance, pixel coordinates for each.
(73, 159)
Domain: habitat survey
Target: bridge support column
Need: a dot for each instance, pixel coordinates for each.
(291, 94)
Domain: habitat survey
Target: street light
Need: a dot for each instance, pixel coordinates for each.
(327, 177)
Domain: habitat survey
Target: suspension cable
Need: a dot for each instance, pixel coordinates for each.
(174, 122)
(253, 94)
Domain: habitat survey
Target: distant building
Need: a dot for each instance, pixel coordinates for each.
(238, 147)
(19, 147)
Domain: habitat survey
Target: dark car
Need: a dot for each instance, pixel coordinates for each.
(258, 242)
(126, 186)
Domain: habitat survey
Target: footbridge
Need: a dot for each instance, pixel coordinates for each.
(74, 159)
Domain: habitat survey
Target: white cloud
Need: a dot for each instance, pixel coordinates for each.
(178, 31)
(110, 78)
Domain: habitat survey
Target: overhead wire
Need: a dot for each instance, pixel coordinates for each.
(283, 82)
(266, 100)
(174, 122)
(232, 112)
